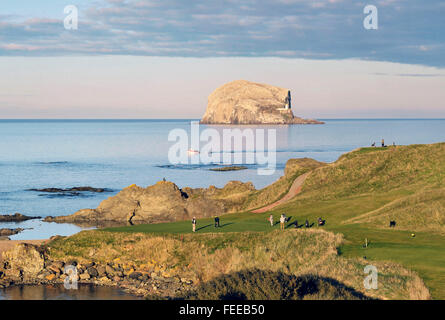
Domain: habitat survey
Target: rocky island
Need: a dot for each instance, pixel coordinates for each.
(245, 102)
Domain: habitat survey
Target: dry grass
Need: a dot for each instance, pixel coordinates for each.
(208, 256)
(359, 172)
(422, 211)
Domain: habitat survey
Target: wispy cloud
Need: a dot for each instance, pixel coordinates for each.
(420, 75)
(409, 31)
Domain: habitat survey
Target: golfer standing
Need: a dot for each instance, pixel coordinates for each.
(282, 221)
(271, 220)
(194, 224)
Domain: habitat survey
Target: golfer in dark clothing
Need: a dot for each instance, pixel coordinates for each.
(216, 222)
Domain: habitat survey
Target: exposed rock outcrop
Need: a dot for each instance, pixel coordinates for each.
(245, 102)
(74, 189)
(23, 261)
(4, 232)
(163, 202)
(17, 217)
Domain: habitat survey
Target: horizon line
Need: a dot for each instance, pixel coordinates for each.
(186, 119)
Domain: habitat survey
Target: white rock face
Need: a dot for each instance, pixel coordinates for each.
(245, 102)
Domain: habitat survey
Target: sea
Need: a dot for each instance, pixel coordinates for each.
(113, 154)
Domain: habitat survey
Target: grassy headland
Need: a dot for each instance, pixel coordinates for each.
(357, 195)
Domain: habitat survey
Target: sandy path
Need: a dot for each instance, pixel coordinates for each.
(295, 189)
(5, 245)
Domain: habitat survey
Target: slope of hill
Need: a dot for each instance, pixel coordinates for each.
(208, 258)
(421, 211)
(379, 170)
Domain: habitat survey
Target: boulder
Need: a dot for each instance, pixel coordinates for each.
(55, 269)
(92, 272)
(26, 258)
(135, 275)
(245, 102)
(101, 271)
(50, 277)
(84, 276)
(109, 270)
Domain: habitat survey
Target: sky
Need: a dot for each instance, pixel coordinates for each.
(162, 58)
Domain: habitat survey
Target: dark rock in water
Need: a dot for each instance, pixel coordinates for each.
(10, 232)
(72, 190)
(229, 168)
(17, 217)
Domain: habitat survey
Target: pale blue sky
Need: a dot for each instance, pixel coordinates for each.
(128, 55)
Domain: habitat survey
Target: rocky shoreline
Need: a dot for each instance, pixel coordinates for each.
(28, 264)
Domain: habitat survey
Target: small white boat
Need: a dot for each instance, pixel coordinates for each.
(192, 151)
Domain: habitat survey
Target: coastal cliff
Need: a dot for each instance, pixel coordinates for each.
(245, 102)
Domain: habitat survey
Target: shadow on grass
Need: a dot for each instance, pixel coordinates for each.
(203, 227)
(226, 224)
(269, 285)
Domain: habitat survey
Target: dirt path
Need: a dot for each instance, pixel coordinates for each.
(295, 189)
(5, 245)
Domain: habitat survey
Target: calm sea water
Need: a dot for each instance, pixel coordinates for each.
(58, 292)
(116, 153)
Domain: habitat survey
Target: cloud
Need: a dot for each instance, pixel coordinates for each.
(420, 75)
(409, 31)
